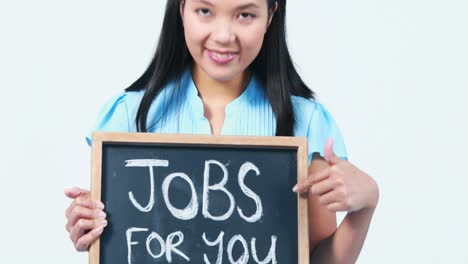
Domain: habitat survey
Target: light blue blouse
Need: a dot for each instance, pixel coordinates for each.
(248, 115)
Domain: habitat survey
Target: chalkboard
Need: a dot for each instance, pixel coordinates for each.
(199, 199)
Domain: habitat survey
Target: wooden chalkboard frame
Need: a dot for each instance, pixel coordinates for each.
(298, 143)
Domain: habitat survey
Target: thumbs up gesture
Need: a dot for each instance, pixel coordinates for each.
(340, 186)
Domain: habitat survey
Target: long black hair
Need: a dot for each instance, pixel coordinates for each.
(273, 67)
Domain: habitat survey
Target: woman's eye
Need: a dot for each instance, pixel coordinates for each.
(204, 12)
(246, 16)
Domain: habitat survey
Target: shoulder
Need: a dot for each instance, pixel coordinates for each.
(308, 111)
(119, 112)
(131, 100)
(133, 97)
(316, 123)
(302, 103)
(122, 100)
(115, 113)
(123, 107)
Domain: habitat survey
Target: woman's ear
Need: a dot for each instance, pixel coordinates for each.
(272, 13)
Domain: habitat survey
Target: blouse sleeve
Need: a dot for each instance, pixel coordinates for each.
(113, 117)
(322, 126)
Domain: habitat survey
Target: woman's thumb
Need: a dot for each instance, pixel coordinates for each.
(330, 156)
(74, 192)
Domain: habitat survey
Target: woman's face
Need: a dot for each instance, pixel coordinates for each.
(224, 36)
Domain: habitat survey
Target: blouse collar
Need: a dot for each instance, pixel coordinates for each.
(246, 98)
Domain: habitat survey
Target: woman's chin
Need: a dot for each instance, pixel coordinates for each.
(222, 74)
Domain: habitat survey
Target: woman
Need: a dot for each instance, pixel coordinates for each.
(223, 67)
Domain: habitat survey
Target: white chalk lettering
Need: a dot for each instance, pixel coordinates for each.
(130, 243)
(150, 163)
(167, 247)
(216, 187)
(172, 247)
(244, 258)
(271, 257)
(244, 169)
(188, 212)
(150, 238)
(218, 241)
(238, 251)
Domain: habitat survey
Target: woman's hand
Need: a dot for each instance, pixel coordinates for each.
(341, 186)
(85, 218)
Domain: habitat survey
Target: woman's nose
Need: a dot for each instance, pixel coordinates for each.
(224, 34)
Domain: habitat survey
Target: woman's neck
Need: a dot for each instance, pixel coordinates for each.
(219, 93)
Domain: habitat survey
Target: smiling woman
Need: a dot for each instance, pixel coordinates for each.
(222, 67)
(226, 38)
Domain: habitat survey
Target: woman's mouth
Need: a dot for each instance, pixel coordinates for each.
(221, 57)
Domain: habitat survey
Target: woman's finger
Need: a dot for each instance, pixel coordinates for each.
(75, 192)
(68, 213)
(82, 226)
(330, 197)
(321, 175)
(323, 186)
(304, 184)
(82, 244)
(80, 212)
(85, 201)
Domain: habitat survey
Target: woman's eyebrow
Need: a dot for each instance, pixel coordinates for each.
(244, 6)
(205, 2)
(253, 5)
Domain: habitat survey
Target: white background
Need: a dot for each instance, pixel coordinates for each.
(394, 74)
